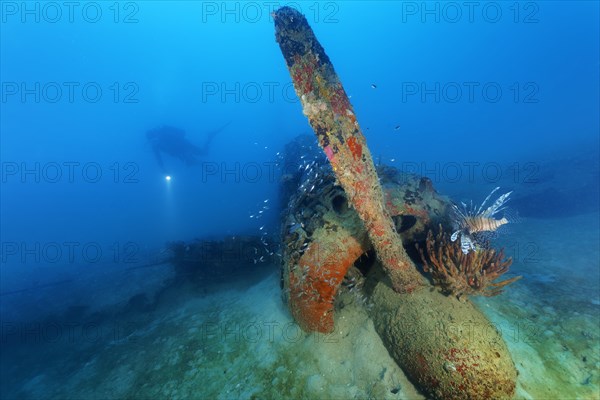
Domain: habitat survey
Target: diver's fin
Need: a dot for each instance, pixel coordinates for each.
(158, 157)
(209, 138)
(210, 135)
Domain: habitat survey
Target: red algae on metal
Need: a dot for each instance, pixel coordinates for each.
(317, 277)
(330, 113)
(404, 314)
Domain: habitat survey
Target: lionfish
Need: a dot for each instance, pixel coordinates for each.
(472, 223)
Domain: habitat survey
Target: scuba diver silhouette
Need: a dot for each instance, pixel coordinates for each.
(172, 141)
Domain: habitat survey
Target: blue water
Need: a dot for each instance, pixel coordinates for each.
(500, 94)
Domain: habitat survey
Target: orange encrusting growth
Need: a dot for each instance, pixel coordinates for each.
(417, 326)
(317, 278)
(331, 116)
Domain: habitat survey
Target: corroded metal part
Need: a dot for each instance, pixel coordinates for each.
(448, 365)
(323, 236)
(446, 347)
(332, 117)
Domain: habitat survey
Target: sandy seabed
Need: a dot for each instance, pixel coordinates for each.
(238, 340)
